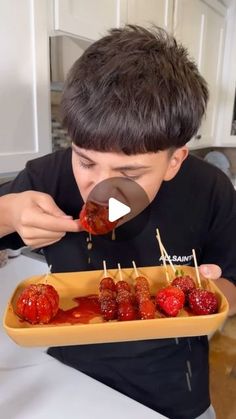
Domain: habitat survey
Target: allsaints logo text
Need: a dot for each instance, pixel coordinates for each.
(175, 258)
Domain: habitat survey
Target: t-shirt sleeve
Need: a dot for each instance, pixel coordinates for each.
(220, 243)
(21, 183)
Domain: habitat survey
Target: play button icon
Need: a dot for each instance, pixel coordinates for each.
(116, 209)
(120, 201)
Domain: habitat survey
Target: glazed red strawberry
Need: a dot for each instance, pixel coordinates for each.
(107, 298)
(202, 302)
(124, 298)
(94, 218)
(147, 309)
(38, 303)
(107, 283)
(142, 289)
(185, 283)
(146, 306)
(122, 285)
(108, 304)
(126, 311)
(170, 300)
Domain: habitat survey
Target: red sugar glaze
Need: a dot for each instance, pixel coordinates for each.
(87, 308)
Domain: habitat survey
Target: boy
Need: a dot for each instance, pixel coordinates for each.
(130, 104)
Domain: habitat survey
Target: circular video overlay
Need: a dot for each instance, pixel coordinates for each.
(118, 208)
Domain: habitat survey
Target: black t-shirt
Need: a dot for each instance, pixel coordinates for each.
(197, 209)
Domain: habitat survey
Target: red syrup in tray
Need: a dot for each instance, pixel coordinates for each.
(87, 308)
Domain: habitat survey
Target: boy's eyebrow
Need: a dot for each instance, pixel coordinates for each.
(126, 167)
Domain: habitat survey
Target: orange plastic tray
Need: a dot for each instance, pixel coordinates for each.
(70, 285)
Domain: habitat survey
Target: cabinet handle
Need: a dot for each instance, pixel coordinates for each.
(198, 136)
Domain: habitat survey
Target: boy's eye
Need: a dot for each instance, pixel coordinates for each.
(134, 177)
(86, 165)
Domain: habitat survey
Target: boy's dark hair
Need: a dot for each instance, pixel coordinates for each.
(133, 91)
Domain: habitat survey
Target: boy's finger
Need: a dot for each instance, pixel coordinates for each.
(53, 223)
(66, 225)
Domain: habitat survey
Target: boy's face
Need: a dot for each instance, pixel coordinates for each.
(149, 170)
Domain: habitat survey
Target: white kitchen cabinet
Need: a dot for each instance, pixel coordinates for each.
(90, 19)
(147, 12)
(24, 83)
(189, 25)
(200, 27)
(225, 137)
(212, 71)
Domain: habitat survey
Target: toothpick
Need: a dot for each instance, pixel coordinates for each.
(196, 268)
(166, 271)
(120, 272)
(105, 268)
(160, 243)
(48, 273)
(135, 268)
(163, 250)
(162, 255)
(168, 258)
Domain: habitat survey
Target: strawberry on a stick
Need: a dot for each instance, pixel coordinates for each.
(146, 306)
(107, 296)
(124, 298)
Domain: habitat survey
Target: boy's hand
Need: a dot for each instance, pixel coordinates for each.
(227, 287)
(38, 220)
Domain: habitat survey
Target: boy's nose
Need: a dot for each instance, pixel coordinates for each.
(104, 175)
(105, 188)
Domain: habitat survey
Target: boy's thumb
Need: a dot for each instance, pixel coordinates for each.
(210, 271)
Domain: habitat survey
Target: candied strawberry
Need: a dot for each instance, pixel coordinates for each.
(94, 218)
(170, 300)
(126, 311)
(185, 283)
(142, 289)
(38, 303)
(122, 285)
(202, 302)
(146, 306)
(107, 283)
(123, 296)
(147, 309)
(108, 305)
(171, 306)
(163, 293)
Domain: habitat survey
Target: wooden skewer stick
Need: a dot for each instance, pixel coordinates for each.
(163, 255)
(120, 272)
(160, 243)
(135, 268)
(196, 268)
(48, 273)
(105, 269)
(168, 258)
(163, 250)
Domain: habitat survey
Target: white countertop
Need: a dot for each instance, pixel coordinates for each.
(34, 385)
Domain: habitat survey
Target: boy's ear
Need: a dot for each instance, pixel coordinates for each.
(175, 162)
